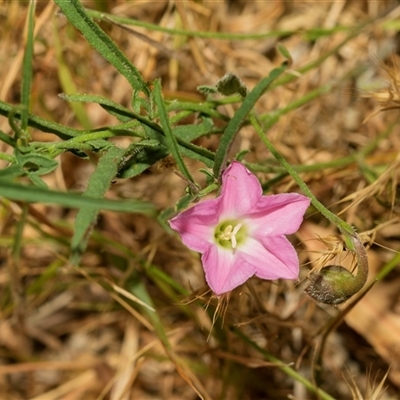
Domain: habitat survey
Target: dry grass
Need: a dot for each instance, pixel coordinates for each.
(78, 334)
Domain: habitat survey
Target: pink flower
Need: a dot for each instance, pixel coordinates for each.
(241, 232)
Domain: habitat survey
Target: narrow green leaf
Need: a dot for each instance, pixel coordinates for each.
(6, 157)
(115, 109)
(37, 163)
(37, 180)
(153, 130)
(63, 132)
(7, 139)
(27, 68)
(189, 150)
(272, 117)
(11, 172)
(191, 132)
(343, 226)
(237, 120)
(183, 202)
(121, 112)
(191, 33)
(285, 52)
(207, 108)
(353, 32)
(145, 143)
(31, 165)
(99, 40)
(142, 160)
(98, 185)
(43, 125)
(170, 138)
(32, 194)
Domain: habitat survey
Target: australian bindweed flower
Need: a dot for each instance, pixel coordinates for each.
(241, 233)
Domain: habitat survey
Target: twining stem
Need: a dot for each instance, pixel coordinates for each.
(343, 226)
(333, 284)
(338, 163)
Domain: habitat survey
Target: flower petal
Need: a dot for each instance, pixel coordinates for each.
(197, 224)
(240, 191)
(274, 257)
(265, 252)
(225, 270)
(277, 214)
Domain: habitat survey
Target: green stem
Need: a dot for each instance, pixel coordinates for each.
(171, 140)
(338, 163)
(7, 157)
(208, 189)
(333, 284)
(344, 227)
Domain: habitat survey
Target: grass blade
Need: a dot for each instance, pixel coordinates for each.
(32, 194)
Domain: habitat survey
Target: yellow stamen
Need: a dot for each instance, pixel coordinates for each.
(230, 234)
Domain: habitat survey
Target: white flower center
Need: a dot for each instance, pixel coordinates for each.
(230, 234)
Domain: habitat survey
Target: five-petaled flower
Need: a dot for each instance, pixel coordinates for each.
(241, 233)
